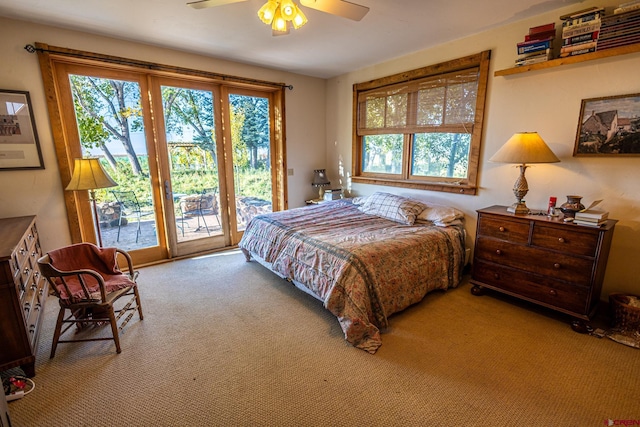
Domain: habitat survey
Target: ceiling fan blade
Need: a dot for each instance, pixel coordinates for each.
(338, 7)
(202, 4)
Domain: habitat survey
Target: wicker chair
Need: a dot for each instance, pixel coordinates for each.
(88, 282)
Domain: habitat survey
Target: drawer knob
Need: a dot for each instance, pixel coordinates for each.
(556, 265)
(561, 240)
(498, 252)
(553, 292)
(501, 228)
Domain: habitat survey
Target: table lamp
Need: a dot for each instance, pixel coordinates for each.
(523, 148)
(88, 174)
(320, 180)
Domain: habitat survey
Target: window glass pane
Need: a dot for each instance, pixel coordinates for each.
(382, 153)
(193, 161)
(251, 141)
(461, 103)
(430, 106)
(396, 110)
(110, 126)
(443, 155)
(374, 108)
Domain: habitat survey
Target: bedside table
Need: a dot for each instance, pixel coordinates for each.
(542, 260)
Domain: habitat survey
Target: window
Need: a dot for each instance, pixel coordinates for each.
(422, 128)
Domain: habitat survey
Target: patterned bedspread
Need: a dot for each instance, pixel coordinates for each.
(363, 267)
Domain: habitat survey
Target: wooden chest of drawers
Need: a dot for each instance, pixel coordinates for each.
(543, 260)
(23, 292)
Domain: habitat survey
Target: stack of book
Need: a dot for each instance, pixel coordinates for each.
(591, 217)
(627, 7)
(622, 28)
(537, 45)
(580, 31)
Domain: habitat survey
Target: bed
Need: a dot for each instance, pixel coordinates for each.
(364, 258)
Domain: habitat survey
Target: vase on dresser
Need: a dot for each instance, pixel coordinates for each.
(571, 206)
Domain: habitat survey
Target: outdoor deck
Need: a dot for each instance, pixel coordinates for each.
(148, 236)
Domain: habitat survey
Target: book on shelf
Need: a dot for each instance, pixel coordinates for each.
(551, 26)
(579, 46)
(540, 36)
(578, 30)
(626, 8)
(583, 12)
(534, 46)
(534, 59)
(620, 33)
(585, 19)
(578, 52)
(618, 42)
(581, 38)
(629, 3)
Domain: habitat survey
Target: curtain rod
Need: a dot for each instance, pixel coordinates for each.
(151, 66)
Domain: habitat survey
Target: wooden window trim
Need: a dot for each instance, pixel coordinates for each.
(451, 185)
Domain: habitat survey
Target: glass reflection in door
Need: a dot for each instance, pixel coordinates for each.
(110, 126)
(191, 143)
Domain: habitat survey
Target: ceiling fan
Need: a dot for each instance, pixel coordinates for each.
(288, 9)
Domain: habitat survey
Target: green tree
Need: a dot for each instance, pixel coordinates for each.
(255, 127)
(108, 109)
(194, 109)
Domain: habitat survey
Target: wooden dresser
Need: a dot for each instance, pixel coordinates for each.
(23, 292)
(542, 260)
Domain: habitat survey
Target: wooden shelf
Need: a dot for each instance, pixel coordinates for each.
(616, 51)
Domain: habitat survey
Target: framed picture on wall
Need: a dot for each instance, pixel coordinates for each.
(609, 126)
(19, 145)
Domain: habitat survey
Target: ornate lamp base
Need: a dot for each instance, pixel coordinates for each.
(518, 208)
(520, 189)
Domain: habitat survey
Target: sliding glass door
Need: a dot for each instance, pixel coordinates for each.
(110, 117)
(194, 158)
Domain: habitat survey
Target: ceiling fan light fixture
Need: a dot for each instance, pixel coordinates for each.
(268, 11)
(279, 23)
(299, 19)
(288, 9)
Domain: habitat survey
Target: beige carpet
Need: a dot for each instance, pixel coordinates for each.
(227, 343)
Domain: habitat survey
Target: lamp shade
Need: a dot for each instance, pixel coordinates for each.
(320, 178)
(88, 174)
(525, 147)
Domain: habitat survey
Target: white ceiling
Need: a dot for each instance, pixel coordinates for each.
(325, 47)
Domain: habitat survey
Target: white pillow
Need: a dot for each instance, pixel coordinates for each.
(438, 214)
(393, 207)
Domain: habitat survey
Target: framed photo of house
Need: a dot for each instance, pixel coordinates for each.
(609, 126)
(19, 145)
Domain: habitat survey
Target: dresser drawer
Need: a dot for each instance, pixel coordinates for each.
(565, 240)
(23, 293)
(538, 288)
(556, 265)
(504, 229)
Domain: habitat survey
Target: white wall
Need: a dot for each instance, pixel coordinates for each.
(40, 192)
(546, 101)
